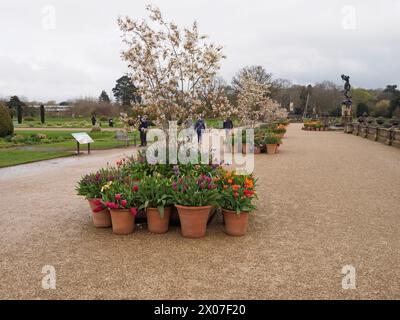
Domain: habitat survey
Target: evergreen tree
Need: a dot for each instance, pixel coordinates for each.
(104, 97)
(125, 91)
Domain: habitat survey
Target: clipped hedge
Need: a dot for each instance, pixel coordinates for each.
(6, 124)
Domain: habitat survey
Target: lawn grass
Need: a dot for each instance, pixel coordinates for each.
(57, 144)
(14, 157)
(64, 140)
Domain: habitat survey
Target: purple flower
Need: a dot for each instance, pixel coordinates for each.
(176, 170)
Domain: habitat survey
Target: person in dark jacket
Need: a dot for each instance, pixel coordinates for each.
(143, 125)
(199, 126)
(228, 124)
(94, 120)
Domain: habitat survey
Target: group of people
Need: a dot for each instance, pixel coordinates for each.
(110, 121)
(199, 127)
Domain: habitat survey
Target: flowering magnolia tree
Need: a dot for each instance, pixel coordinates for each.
(254, 103)
(169, 65)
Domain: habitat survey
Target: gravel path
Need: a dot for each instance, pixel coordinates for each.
(327, 200)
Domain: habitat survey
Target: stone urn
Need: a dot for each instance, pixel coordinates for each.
(380, 121)
(394, 122)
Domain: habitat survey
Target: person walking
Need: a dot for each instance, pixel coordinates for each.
(143, 125)
(200, 126)
(228, 125)
(94, 120)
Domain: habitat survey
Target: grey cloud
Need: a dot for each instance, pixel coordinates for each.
(303, 41)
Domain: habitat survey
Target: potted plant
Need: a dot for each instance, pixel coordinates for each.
(121, 197)
(258, 144)
(90, 187)
(245, 144)
(194, 198)
(272, 141)
(237, 195)
(156, 196)
(280, 132)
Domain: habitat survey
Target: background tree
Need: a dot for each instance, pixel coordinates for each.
(169, 64)
(381, 109)
(125, 92)
(14, 102)
(254, 104)
(104, 97)
(361, 109)
(258, 73)
(42, 114)
(6, 125)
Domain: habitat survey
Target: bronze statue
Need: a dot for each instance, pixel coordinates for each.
(347, 87)
(347, 102)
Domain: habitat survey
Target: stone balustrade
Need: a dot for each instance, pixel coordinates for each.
(375, 132)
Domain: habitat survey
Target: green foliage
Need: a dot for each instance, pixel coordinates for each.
(42, 114)
(381, 109)
(19, 114)
(104, 97)
(15, 102)
(6, 125)
(272, 138)
(195, 191)
(91, 184)
(125, 91)
(279, 131)
(237, 192)
(155, 192)
(121, 193)
(11, 112)
(361, 109)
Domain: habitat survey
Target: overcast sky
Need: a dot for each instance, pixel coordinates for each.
(65, 49)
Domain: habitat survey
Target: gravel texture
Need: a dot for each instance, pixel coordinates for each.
(326, 200)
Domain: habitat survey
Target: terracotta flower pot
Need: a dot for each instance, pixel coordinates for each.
(235, 224)
(193, 220)
(257, 150)
(155, 223)
(271, 148)
(100, 215)
(123, 221)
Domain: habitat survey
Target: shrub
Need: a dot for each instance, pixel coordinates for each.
(272, 139)
(6, 125)
(18, 139)
(42, 114)
(19, 114)
(11, 111)
(41, 136)
(279, 130)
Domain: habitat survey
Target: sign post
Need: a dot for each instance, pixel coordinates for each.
(82, 138)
